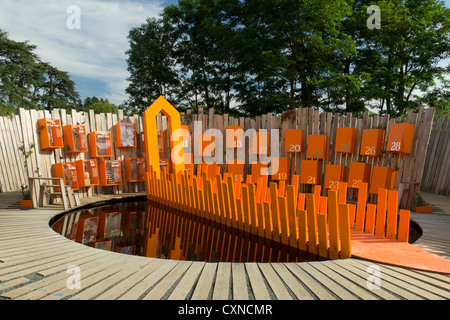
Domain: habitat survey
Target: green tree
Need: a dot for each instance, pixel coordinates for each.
(151, 66)
(286, 50)
(99, 105)
(27, 82)
(406, 53)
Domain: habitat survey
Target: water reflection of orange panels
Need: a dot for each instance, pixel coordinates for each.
(131, 221)
(177, 252)
(110, 224)
(86, 231)
(152, 243)
(125, 248)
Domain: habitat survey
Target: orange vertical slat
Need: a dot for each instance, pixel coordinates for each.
(403, 225)
(391, 217)
(290, 197)
(283, 220)
(311, 222)
(268, 221)
(370, 218)
(302, 230)
(380, 223)
(342, 192)
(257, 225)
(333, 221)
(274, 211)
(245, 209)
(344, 228)
(323, 235)
(361, 206)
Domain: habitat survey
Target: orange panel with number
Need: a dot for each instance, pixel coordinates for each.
(317, 146)
(261, 143)
(382, 177)
(357, 173)
(237, 170)
(284, 168)
(256, 170)
(334, 174)
(400, 138)
(372, 142)
(294, 140)
(346, 139)
(310, 172)
(207, 145)
(234, 137)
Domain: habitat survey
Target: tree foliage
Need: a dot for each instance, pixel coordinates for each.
(258, 56)
(27, 82)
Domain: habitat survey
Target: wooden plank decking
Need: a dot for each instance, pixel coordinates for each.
(35, 260)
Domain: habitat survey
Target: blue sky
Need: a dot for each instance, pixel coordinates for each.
(93, 55)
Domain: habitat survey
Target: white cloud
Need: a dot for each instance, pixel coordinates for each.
(95, 51)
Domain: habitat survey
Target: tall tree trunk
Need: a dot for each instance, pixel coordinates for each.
(347, 86)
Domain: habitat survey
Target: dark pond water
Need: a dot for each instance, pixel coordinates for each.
(143, 229)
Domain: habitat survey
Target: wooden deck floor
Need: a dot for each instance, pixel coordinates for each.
(34, 261)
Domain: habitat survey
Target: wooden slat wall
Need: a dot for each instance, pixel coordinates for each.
(436, 174)
(22, 130)
(23, 127)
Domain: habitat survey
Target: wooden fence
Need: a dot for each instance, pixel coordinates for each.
(22, 157)
(436, 178)
(409, 167)
(22, 130)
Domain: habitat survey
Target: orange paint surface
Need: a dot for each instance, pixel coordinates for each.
(390, 251)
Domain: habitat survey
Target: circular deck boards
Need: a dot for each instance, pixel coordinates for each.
(35, 260)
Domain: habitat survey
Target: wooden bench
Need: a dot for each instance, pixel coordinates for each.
(69, 198)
